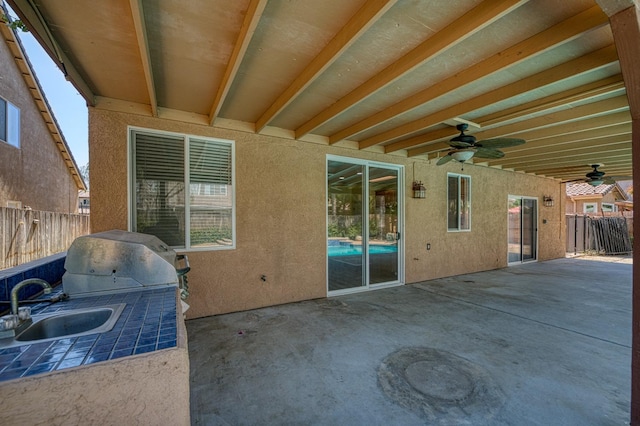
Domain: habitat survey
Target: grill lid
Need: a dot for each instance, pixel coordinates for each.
(116, 261)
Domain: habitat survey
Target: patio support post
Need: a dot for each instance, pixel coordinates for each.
(624, 17)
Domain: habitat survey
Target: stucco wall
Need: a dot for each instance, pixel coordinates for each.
(35, 174)
(281, 207)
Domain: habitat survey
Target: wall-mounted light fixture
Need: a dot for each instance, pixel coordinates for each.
(547, 200)
(419, 191)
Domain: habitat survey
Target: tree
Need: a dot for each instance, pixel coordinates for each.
(84, 172)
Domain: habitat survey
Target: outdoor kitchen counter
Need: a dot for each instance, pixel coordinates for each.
(137, 370)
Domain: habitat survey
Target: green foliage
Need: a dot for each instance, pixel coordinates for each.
(354, 230)
(14, 24)
(204, 236)
(333, 230)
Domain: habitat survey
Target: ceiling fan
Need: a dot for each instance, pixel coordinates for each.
(596, 177)
(463, 147)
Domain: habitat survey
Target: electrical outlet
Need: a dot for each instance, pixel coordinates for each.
(428, 246)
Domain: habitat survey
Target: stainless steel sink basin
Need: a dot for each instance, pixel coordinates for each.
(69, 323)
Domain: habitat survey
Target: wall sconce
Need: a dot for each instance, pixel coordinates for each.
(547, 200)
(419, 191)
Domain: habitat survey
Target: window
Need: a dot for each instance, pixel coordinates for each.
(608, 207)
(9, 123)
(182, 189)
(590, 208)
(458, 202)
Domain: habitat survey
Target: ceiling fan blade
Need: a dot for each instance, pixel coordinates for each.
(488, 153)
(444, 160)
(459, 144)
(500, 142)
(614, 179)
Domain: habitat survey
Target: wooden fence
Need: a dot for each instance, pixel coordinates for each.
(28, 235)
(608, 234)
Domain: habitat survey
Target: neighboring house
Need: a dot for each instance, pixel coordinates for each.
(84, 202)
(583, 198)
(38, 170)
(627, 188)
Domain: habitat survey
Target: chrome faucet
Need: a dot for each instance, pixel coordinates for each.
(24, 283)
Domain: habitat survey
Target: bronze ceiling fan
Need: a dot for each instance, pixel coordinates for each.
(463, 147)
(597, 177)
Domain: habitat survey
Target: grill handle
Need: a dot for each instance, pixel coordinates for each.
(187, 268)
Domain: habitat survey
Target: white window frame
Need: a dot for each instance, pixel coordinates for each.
(458, 227)
(11, 121)
(611, 206)
(131, 193)
(588, 206)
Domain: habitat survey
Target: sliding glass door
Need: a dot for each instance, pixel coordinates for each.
(363, 223)
(523, 229)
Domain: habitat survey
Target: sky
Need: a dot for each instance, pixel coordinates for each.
(68, 106)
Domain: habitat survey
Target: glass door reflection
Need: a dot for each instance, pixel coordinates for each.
(383, 225)
(345, 225)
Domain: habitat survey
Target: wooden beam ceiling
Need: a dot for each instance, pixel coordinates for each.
(462, 28)
(560, 33)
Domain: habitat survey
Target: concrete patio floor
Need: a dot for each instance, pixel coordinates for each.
(545, 343)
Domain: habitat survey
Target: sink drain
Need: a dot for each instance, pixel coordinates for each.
(439, 386)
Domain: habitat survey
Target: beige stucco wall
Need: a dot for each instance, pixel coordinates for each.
(281, 207)
(36, 173)
(145, 389)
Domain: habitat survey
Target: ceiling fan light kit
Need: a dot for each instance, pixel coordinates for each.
(463, 155)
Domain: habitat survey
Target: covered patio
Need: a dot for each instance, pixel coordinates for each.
(545, 343)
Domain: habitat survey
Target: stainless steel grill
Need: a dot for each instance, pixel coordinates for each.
(118, 261)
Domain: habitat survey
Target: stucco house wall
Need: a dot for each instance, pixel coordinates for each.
(34, 174)
(281, 215)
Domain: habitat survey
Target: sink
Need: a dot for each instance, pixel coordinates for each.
(68, 323)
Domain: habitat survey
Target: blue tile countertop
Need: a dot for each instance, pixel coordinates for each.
(147, 323)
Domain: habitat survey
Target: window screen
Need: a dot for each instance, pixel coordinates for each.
(171, 196)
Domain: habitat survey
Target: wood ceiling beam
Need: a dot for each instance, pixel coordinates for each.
(560, 33)
(581, 112)
(608, 86)
(554, 118)
(584, 157)
(137, 13)
(618, 165)
(589, 62)
(618, 157)
(349, 34)
(249, 24)
(530, 160)
(621, 118)
(465, 26)
(563, 138)
(582, 169)
(549, 149)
